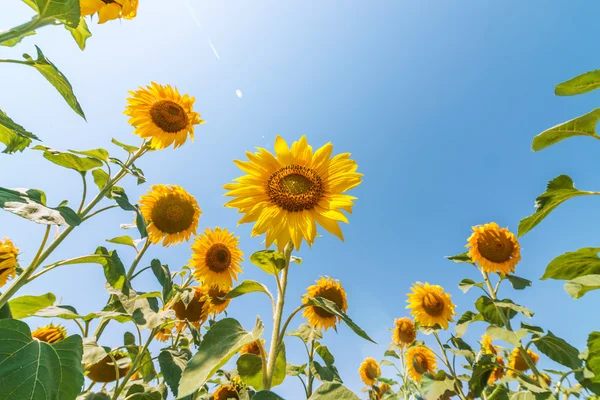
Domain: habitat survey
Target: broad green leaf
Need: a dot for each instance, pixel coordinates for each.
(532, 328)
(279, 373)
(515, 307)
(523, 396)
(464, 349)
(26, 306)
(467, 284)
(100, 154)
(81, 33)
(91, 259)
(307, 333)
(582, 284)
(558, 350)
(270, 261)
(558, 190)
(518, 283)
(13, 135)
(53, 75)
(126, 147)
(465, 320)
(124, 240)
(66, 11)
(101, 179)
(482, 370)
(70, 353)
(247, 286)
(325, 373)
(584, 125)
(69, 160)
(593, 356)
(513, 338)
(460, 258)
(63, 312)
(163, 275)
(141, 392)
(114, 270)
(266, 395)
(249, 368)
(436, 386)
(333, 391)
(574, 264)
(295, 370)
(123, 202)
(325, 355)
(172, 363)
(489, 311)
(17, 40)
(5, 311)
(224, 339)
(92, 352)
(143, 311)
(580, 84)
(332, 308)
(30, 204)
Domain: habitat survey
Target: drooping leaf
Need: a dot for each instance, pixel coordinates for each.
(518, 283)
(465, 320)
(124, 240)
(532, 328)
(584, 125)
(31, 204)
(81, 33)
(490, 312)
(163, 275)
(515, 307)
(52, 74)
(571, 265)
(435, 386)
(579, 286)
(307, 333)
(482, 370)
(114, 270)
(332, 308)
(325, 355)
(558, 350)
(66, 11)
(123, 201)
(295, 370)
(325, 373)
(172, 363)
(26, 306)
(499, 392)
(460, 258)
(247, 286)
(270, 261)
(333, 391)
(580, 84)
(13, 135)
(558, 190)
(467, 284)
(99, 154)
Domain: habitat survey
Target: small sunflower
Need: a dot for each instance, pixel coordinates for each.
(161, 114)
(382, 389)
(329, 289)
(419, 359)
(104, 370)
(369, 371)
(404, 332)
(8, 261)
(486, 345)
(216, 257)
(231, 391)
(196, 311)
(288, 193)
(498, 372)
(252, 348)
(494, 249)
(518, 363)
(430, 305)
(171, 213)
(109, 9)
(216, 292)
(50, 333)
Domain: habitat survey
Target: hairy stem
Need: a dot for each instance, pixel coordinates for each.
(447, 362)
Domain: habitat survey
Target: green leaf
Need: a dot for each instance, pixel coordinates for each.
(99, 154)
(465, 320)
(69, 160)
(26, 306)
(13, 135)
(17, 40)
(66, 11)
(81, 33)
(518, 283)
(266, 395)
(146, 369)
(114, 270)
(325, 355)
(333, 391)
(101, 179)
(500, 392)
(53, 75)
(593, 356)
(515, 307)
(224, 339)
(436, 386)
(124, 240)
(307, 333)
(270, 261)
(163, 275)
(325, 373)
(584, 125)
(279, 373)
(558, 190)
(123, 201)
(295, 370)
(30, 369)
(482, 370)
(5, 311)
(172, 363)
(513, 338)
(532, 328)
(488, 310)
(31, 204)
(332, 308)
(574, 264)
(582, 284)
(92, 352)
(391, 353)
(247, 286)
(249, 368)
(141, 392)
(467, 284)
(143, 311)
(94, 396)
(461, 258)
(580, 84)
(558, 350)
(126, 147)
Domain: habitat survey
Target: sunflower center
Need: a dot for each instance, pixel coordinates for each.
(195, 310)
(406, 334)
(420, 364)
(331, 294)
(226, 393)
(495, 246)
(169, 116)
(372, 372)
(172, 214)
(295, 188)
(218, 257)
(433, 304)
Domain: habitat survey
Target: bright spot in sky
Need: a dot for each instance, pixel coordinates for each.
(239, 93)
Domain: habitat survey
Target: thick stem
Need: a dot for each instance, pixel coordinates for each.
(84, 193)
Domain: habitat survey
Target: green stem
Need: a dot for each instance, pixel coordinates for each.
(134, 365)
(99, 211)
(309, 376)
(289, 319)
(57, 264)
(84, 193)
(24, 29)
(140, 271)
(447, 362)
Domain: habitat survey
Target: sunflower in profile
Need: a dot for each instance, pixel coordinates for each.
(196, 311)
(498, 372)
(329, 289)
(419, 359)
(50, 333)
(430, 305)
(233, 390)
(369, 371)
(382, 389)
(171, 214)
(252, 348)
(486, 345)
(216, 293)
(518, 363)
(8, 261)
(494, 249)
(109, 9)
(104, 370)
(216, 257)
(288, 193)
(161, 114)
(404, 332)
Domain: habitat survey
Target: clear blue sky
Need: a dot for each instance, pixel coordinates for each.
(437, 101)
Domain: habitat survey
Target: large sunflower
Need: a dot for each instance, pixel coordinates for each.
(161, 114)
(286, 194)
(369, 371)
(498, 372)
(196, 311)
(494, 249)
(104, 370)
(8, 261)
(50, 333)
(329, 289)
(419, 359)
(109, 9)
(486, 345)
(518, 363)
(430, 305)
(171, 213)
(216, 257)
(216, 293)
(404, 332)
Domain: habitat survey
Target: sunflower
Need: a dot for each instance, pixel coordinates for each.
(545, 377)
(494, 249)
(171, 213)
(486, 345)
(404, 332)
(369, 371)
(252, 348)
(419, 359)
(518, 363)
(104, 370)
(430, 305)
(216, 292)
(329, 289)
(161, 114)
(50, 333)
(196, 311)
(8, 261)
(164, 334)
(231, 391)
(286, 194)
(382, 389)
(216, 257)
(498, 372)
(109, 9)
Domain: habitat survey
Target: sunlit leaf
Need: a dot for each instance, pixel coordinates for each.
(461, 258)
(270, 261)
(513, 338)
(435, 386)
(558, 350)
(584, 125)
(247, 286)
(26, 306)
(81, 33)
(13, 42)
(13, 135)
(333, 391)
(66, 11)
(580, 84)
(579, 286)
(465, 320)
(307, 333)
(571, 265)
(31, 204)
(69, 160)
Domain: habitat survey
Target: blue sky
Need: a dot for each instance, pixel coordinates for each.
(437, 101)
